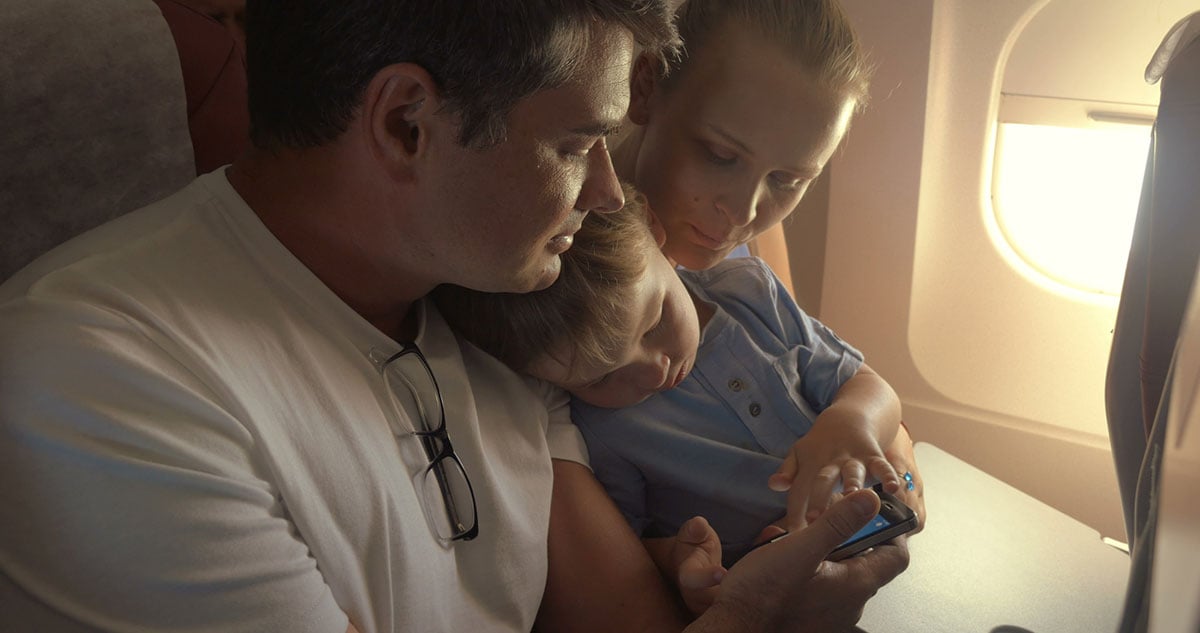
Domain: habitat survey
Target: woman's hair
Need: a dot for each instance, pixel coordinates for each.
(815, 33)
(309, 61)
(583, 315)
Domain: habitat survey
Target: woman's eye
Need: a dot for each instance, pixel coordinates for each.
(785, 183)
(718, 156)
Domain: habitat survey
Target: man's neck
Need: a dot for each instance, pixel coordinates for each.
(324, 219)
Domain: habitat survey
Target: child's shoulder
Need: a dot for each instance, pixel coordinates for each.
(748, 290)
(737, 277)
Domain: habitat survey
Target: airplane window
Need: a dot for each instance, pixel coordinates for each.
(1065, 199)
(1072, 137)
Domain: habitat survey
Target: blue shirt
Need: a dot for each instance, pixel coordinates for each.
(763, 372)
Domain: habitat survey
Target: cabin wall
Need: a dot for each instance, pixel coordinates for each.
(990, 364)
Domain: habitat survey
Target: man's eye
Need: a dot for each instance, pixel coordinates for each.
(582, 148)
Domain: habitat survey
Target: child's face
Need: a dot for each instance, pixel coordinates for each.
(731, 146)
(657, 355)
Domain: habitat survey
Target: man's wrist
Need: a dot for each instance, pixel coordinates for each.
(729, 616)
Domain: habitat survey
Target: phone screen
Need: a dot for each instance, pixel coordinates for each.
(894, 519)
(879, 523)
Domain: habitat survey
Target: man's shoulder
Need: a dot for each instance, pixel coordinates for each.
(106, 244)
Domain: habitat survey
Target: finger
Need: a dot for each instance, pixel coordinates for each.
(695, 531)
(797, 507)
(781, 480)
(822, 489)
(882, 470)
(880, 565)
(697, 538)
(853, 473)
(842, 520)
(698, 574)
(915, 499)
(768, 533)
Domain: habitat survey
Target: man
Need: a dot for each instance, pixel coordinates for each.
(233, 411)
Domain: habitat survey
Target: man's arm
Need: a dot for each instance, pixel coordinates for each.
(789, 586)
(601, 577)
(131, 495)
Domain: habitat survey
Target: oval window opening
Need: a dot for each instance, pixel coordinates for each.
(1065, 199)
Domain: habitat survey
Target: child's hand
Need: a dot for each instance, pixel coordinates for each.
(696, 559)
(829, 453)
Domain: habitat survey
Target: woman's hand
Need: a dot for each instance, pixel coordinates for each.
(900, 454)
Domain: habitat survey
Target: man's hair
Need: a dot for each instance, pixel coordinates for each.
(815, 33)
(309, 61)
(583, 316)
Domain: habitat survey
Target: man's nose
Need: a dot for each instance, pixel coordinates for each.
(601, 191)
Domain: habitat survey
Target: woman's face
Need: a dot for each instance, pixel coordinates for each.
(731, 146)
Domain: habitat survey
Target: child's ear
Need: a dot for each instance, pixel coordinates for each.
(646, 73)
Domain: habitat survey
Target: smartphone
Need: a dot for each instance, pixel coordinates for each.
(894, 519)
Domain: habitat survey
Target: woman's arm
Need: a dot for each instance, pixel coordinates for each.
(900, 454)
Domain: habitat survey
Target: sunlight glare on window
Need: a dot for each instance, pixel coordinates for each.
(1065, 199)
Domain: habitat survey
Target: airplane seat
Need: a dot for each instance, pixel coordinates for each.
(108, 105)
(1158, 280)
(214, 80)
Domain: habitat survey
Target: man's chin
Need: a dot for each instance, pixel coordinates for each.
(533, 280)
(530, 279)
(549, 274)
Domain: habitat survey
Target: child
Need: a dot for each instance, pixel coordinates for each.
(692, 389)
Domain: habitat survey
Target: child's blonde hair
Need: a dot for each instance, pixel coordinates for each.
(583, 315)
(815, 33)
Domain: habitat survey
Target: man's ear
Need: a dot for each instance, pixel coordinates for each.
(642, 84)
(397, 114)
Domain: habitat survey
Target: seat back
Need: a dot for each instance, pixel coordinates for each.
(95, 119)
(1158, 281)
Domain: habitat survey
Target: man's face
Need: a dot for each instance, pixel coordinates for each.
(508, 212)
(656, 355)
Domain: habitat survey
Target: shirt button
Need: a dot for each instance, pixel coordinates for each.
(735, 385)
(755, 409)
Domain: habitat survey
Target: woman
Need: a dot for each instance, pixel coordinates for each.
(725, 147)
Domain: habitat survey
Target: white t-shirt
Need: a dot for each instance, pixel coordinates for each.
(192, 437)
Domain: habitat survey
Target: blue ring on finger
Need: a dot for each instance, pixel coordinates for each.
(908, 479)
